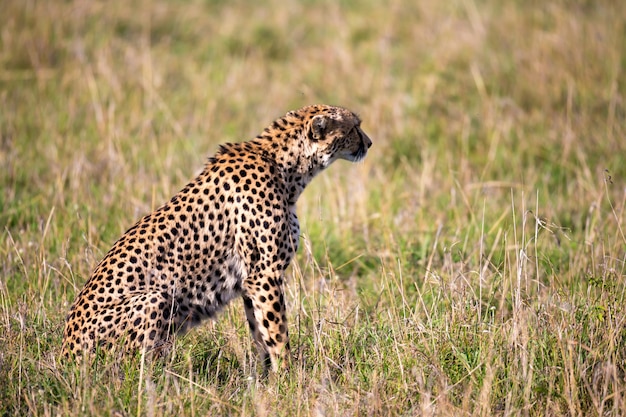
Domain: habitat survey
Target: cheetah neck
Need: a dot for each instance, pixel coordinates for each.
(296, 172)
(287, 153)
(283, 145)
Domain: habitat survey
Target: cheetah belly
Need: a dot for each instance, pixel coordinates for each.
(211, 293)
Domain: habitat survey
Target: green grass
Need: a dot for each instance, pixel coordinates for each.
(473, 264)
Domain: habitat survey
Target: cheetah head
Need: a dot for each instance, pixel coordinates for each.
(335, 133)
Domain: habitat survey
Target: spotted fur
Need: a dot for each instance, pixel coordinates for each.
(231, 232)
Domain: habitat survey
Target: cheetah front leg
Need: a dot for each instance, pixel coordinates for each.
(265, 310)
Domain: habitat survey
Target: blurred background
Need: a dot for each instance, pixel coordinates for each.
(479, 247)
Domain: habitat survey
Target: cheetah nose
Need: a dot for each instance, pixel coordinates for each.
(367, 141)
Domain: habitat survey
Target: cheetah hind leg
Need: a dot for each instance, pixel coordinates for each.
(145, 324)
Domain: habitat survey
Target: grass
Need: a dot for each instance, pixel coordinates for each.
(474, 264)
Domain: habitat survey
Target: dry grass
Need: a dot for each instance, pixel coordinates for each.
(473, 264)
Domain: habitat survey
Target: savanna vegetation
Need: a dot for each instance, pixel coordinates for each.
(473, 265)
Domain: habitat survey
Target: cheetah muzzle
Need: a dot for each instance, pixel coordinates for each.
(232, 231)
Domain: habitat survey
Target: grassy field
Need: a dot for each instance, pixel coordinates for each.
(473, 265)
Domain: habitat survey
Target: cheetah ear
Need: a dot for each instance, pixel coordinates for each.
(318, 127)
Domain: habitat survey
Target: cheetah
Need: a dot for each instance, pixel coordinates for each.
(232, 231)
